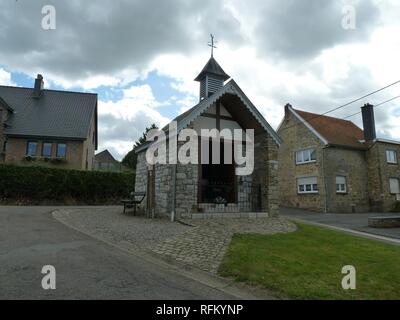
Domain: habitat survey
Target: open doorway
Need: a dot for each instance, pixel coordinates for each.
(217, 183)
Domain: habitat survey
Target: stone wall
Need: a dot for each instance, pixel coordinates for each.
(186, 189)
(265, 173)
(141, 177)
(379, 173)
(163, 190)
(351, 164)
(296, 136)
(187, 177)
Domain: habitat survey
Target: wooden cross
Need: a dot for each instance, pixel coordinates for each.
(211, 44)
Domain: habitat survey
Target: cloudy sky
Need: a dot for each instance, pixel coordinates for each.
(141, 56)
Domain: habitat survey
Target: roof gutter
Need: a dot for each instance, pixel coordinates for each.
(24, 136)
(361, 148)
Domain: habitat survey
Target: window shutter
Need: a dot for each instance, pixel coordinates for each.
(340, 180)
(310, 180)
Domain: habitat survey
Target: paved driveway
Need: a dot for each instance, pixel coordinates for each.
(86, 268)
(353, 221)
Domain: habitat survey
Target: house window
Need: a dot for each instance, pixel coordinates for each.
(306, 156)
(46, 150)
(61, 150)
(391, 156)
(307, 185)
(31, 148)
(394, 185)
(341, 185)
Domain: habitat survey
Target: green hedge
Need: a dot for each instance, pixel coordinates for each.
(396, 207)
(37, 185)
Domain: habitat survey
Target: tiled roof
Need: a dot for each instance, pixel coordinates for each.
(58, 114)
(335, 131)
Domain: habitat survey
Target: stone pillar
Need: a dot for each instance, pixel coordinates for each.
(272, 181)
(266, 172)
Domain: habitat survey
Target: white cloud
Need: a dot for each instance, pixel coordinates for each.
(123, 121)
(5, 78)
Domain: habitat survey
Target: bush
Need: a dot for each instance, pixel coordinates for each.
(35, 185)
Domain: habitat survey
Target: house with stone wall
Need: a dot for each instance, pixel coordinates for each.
(331, 165)
(189, 190)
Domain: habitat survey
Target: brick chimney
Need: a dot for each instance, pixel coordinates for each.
(368, 122)
(38, 88)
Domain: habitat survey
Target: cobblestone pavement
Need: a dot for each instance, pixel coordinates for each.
(199, 242)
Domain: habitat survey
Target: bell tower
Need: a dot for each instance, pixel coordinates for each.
(212, 77)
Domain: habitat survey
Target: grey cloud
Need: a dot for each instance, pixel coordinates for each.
(105, 37)
(122, 130)
(301, 29)
(358, 83)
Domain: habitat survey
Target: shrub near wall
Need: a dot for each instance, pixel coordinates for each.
(35, 185)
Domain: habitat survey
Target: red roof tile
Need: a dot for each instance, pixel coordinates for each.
(336, 131)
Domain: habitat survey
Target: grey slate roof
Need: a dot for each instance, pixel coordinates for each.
(213, 67)
(105, 156)
(58, 114)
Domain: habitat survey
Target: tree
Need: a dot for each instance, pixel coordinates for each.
(130, 158)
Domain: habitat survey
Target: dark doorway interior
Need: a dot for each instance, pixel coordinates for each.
(217, 181)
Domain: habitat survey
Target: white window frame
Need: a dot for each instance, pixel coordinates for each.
(302, 187)
(391, 159)
(342, 186)
(398, 186)
(305, 153)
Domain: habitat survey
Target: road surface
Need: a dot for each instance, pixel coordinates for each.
(85, 268)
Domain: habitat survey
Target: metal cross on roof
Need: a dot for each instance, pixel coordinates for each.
(212, 44)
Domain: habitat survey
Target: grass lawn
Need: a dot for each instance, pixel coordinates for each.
(307, 264)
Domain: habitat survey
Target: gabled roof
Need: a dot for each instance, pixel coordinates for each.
(56, 114)
(5, 104)
(332, 131)
(212, 67)
(184, 119)
(104, 156)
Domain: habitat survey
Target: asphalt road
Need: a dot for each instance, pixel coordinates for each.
(85, 268)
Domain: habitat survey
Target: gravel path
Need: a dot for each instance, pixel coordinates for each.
(200, 242)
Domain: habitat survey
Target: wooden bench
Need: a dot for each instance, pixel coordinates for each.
(135, 199)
